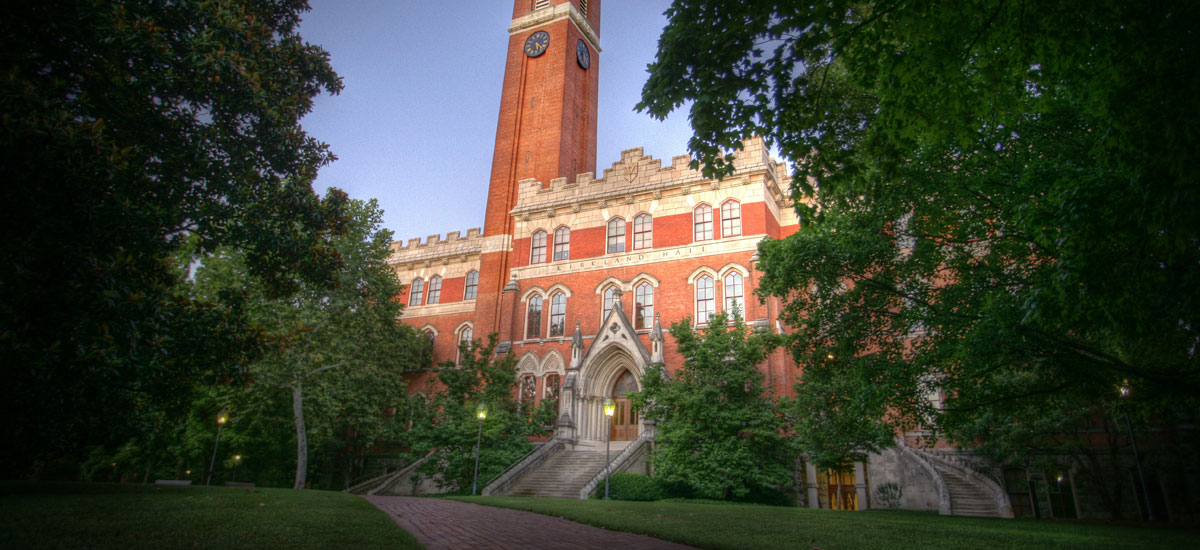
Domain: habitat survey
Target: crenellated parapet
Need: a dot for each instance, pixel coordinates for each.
(637, 177)
(454, 246)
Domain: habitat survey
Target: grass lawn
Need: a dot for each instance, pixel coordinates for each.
(732, 526)
(92, 515)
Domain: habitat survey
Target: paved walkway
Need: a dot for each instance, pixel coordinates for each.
(451, 525)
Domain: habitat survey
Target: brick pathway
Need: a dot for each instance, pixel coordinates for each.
(450, 525)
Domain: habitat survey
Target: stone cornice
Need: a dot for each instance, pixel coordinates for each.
(547, 15)
(465, 306)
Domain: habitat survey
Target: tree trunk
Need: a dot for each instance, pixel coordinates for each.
(301, 438)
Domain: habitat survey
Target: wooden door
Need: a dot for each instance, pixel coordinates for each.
(624, 421)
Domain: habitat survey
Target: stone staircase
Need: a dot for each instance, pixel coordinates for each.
(967, 498)
(563, 474)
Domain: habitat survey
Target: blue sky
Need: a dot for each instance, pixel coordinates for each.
(415, 125)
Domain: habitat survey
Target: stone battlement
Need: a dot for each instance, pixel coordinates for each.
(635, 173)
(436, 246)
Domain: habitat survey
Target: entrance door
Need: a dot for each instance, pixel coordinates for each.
(624, 421)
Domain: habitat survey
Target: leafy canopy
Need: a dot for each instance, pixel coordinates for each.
(998, 200)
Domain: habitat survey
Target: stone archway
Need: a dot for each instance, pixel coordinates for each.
(598, 378)
(623, 426)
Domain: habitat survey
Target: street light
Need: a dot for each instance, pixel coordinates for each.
(212, 463)
(237, 461)
(1137, 459)
(481, 414)
(610, 408)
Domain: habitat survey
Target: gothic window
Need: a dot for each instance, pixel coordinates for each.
(435, 290)
(416, 292)
(533, 318)
(616, 235)
(464, 342)
(558, 313)
(562, 243)
(550, 393)
(734, 299)
(643, 232)
(705, 299)
(610, 297)
(528, 389)
(702, 220)
(731, 219)
(643, 305)
(472, 285)
(537, 252)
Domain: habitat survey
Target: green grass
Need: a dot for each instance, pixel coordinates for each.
(90, 515)
(731, 526)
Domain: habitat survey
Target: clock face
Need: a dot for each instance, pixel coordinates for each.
(582, 55)
(537, 43)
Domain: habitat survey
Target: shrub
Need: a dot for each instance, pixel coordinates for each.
(627, 486)
(887, 495)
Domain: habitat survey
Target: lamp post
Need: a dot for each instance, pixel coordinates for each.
(1137, 459)
(237, 461)
(609, 409)
(481, 414)
(212, 463)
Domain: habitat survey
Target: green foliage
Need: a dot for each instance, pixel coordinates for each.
(998, 203)
(129, 128)
(450, 426)
(717, 433)
(627, 486)
(888, 495)
(335, 363)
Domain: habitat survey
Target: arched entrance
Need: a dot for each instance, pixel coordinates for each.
(624, 421)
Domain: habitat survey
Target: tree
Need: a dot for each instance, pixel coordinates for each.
(718, 433)
(451, 427)
(130, 127)
(998, 201)
(338, 351)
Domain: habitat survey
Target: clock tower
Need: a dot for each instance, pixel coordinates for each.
(546, 127)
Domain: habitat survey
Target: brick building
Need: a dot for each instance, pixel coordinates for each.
(577, 269)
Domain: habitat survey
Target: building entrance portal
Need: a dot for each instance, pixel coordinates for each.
(624, 422)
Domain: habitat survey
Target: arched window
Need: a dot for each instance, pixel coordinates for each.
(550, 392)
(416, 292)
(616, 235)
(558, 314)
(533, 317)
(643, 232)
(435, 290)
(464, 343)
(610, 297)
(537, 251)
(472, 285)
(528, 389)
(731, 219)
(734, 300)
(643, 305)
(705, 299)
(562, 243)
(702, 220)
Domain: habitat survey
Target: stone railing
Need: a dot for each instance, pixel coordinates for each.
(636, 449)
(965, 469)
(927, 465)
(501, 483)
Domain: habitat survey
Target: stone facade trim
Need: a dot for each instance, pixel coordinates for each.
(548, 15)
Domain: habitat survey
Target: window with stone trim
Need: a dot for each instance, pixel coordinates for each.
(435, 290)
(643, 232)
(610, 297)
(528, 389)
(734, 297)
(533, 317)
(558, 314)
(416, 292)
(537, 247)
(705, 299)
(616, 235)
(464, 342)
(731, 219)
(643, 305)
(472, 285)
(562, 243)
(551, 390)
(702, 220)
